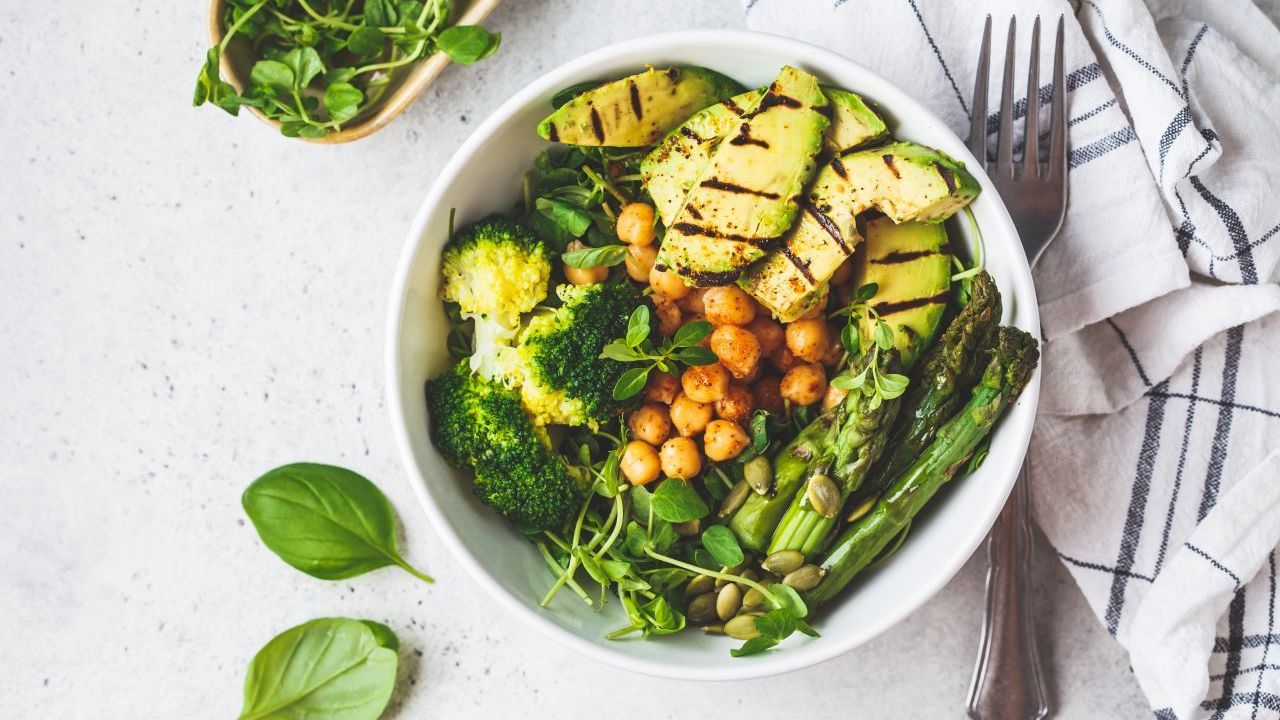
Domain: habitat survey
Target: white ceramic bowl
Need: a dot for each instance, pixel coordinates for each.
(484, 176)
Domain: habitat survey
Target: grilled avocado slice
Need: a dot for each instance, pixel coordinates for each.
(638, 109)
(903, 180)
(672, 168)
(747, 197)
(910, 265)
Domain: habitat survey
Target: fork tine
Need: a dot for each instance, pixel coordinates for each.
(1057, 119)
(1004, 139)
(1031, 138)
(978, 111)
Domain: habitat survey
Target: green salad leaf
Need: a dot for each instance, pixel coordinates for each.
(723, 545)
(675, 501)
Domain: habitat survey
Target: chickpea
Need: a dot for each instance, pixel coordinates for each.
(767, 395)
(737, 348)
(768, 332)
(724, 440)
(584, 276)
(667, 283)
(804, 384)
(705, 383)
(690, 417)
(680, 458)
(669, 316)
(834, 397)
(692, 302)
(728, 305)
(842, 273)
(650, 423)
(640, 464)
(736, 403)
(809, 340)
(661, 388)
(818, 308)
(639, 261)
(783, 360)
(635, 224)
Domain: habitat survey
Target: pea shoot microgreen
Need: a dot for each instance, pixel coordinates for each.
(637, 347)
(320, 63)
(577, 195)
(874, 384)
(964, 276)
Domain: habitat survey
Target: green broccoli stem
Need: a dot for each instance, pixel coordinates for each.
(1007, 372)
(953, 364)
(862, 428)
(755, 521)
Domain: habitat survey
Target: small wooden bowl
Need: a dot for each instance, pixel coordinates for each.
(405, 87)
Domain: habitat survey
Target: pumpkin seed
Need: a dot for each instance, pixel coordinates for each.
(702, 609)
(742, 627)
(783, 561)
(863, 508)
(728, 602)
(734, 499)
(688, 529)
(752, 599)
(823, 495)
(699, 585)
(759, 475)
(804, 578)
(713, 629)
(746, 574)
(735, 570)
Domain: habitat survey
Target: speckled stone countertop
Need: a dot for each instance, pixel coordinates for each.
(187, 300)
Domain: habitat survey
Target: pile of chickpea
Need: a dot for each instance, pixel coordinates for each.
(762, 364)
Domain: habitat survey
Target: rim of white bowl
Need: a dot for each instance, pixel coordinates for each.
(787, 659)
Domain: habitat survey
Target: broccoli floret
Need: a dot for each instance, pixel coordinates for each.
(557, 362)
(495, 269)
(480, 423)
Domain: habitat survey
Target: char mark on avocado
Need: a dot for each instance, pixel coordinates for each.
(685, 228)
(825, 111)
(948, 177)
(827, 225)
(888, 161)
(597, 125)
(801, 265)
(744, 137)
(694, 212)
(732, 107)
(904, 305)
(715, 184)
(673, 74)
(552, 133)
(710, 279)
(839, 168)
(636, 105)
(690, 134)
(902, 256)
(774, 99)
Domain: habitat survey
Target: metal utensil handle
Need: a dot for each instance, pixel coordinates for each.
(1007, 681)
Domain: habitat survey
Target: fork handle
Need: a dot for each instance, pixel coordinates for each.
(1007, 682)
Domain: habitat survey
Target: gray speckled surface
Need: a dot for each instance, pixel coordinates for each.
(187, 300)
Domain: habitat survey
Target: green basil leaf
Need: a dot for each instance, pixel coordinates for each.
(305, 64)
(884, 336)
(326, 521)
(723, 545)
(777, 624)
(866, 292)
(568, 218)
(789, 600)
(754, 646)
(466, 44)
(342, 101)
(696, 356)
(379, 12)
(638, 326)
(631, 383)
(366, 41)
(892, 385)
(845, 382)
(640, 501)
(662, 618)
(272, 76)
(620, 351)
(691, 333)
(675, 501)
(606, 256)
(326, 669)
(704, 559)
(662, 537)
(806, 628)
(850, 339)
(312, 131)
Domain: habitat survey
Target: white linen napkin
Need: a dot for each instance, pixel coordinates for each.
(1156, 459)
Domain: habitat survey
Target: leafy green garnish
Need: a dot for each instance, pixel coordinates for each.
(466, 44)
(326, 521)
(604, 256)
(870, 382)
(636, 347)
(327, 669)
(723, 545)
(676, 502)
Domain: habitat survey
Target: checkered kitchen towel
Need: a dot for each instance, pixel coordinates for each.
(1156, 460)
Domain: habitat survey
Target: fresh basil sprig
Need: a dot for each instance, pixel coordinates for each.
(870, 382)
(325, 669)
(326, 521)
(606, 256)
(637, 347)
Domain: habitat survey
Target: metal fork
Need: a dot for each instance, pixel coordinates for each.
(1007, 680)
